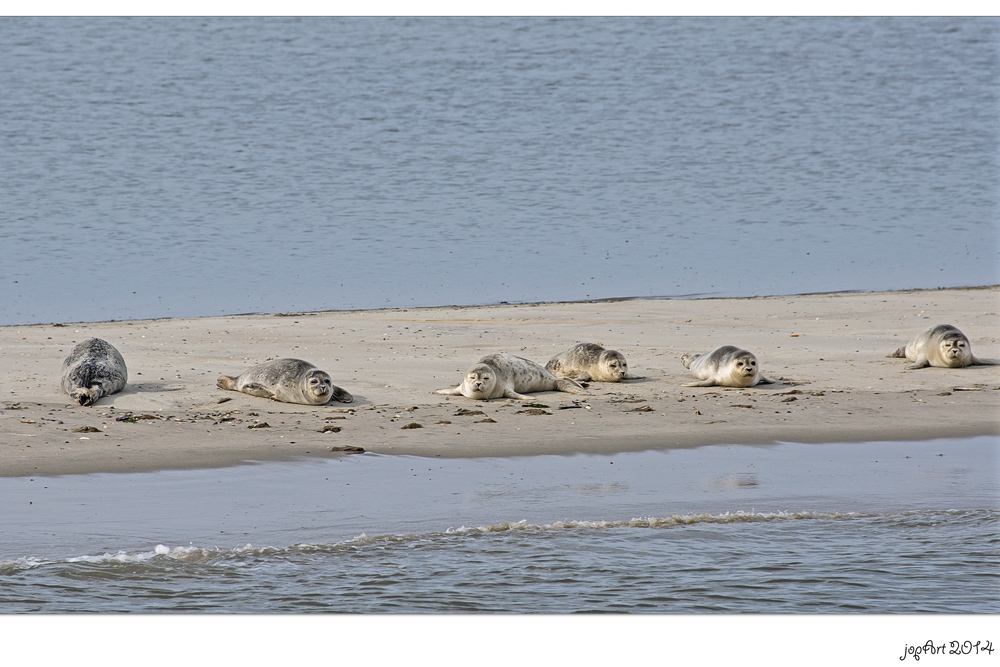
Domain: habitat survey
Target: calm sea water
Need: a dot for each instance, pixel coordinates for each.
(168, 167)
(887, 527)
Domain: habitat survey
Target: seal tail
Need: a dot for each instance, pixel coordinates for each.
(898, 354)
(571, 386)
(226, 382)
(687, 358)
(85, 396)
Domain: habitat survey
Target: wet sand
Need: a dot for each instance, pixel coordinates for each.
(828, 349)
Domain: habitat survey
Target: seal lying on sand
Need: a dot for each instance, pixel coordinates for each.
(590, 361)
(504, 375)
(943, 346)
(726, 366)
(287, 380)
(93, 369)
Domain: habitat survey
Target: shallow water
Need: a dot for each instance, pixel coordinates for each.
(183, 167)
(871, 527)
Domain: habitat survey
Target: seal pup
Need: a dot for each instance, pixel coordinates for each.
(288, 381)
(943, 346)
(94, 368)
(504, 375)
(587, 362)
(725, 366)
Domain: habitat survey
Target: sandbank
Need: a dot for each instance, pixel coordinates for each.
(829, 350)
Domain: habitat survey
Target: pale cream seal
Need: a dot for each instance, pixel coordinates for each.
(725, 366)
(943, 346)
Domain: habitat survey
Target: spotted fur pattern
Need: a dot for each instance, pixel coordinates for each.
(590, 362)
(93, 369)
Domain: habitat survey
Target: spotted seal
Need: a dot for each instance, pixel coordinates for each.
(287, 380)
(943, 346)
(587, 362)
(94, 368)
(505, 375)
(725, 366)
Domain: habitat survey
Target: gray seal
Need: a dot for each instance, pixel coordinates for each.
(725, 366)
(943, 346)
(587, 362)
(288, 381)
(504, 375)
(93, 369)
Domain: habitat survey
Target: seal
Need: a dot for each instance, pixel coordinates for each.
(725, 366)
(944, 346)
(504, 375)
(587, 362)
(288, 381)
(93, 369)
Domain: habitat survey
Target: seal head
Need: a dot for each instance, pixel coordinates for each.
(480, 381)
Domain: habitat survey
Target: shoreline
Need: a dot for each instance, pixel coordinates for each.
(603, 300)
(830, 349)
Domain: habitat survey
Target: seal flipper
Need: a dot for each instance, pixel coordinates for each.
(629, 376)
(510, 393)
(340, 395)
(763, 379)
(984, 362)
(450, 391)
(255, 389)
(922, 363)
(570, 386)
(898, 354)
(703, 383)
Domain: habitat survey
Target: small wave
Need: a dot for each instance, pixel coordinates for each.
(652, 522)
(19, 565)
(163, 555)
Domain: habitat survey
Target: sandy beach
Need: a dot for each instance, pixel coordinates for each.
(829, 350)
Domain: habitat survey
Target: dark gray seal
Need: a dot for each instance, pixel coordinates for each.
(725, 366)
(943, 346)
(504, 375)
(587, 362)
(93, 369)
(287, 380)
